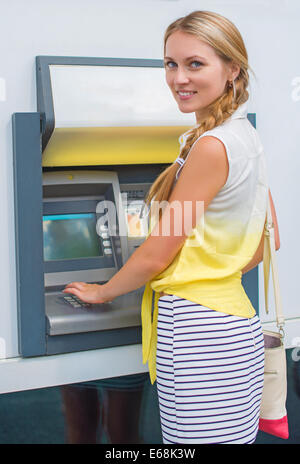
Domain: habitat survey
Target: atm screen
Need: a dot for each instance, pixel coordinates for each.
(71, 236)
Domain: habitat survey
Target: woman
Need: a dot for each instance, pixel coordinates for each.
(205, 345)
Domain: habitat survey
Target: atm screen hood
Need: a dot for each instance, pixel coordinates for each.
(106, 111)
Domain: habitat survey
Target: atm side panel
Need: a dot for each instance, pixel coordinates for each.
(28, 232)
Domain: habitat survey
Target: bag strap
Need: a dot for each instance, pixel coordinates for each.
(270, 257)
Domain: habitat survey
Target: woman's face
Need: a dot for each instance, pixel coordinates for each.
(195, 73)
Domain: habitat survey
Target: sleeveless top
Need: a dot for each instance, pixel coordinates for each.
(208, 268)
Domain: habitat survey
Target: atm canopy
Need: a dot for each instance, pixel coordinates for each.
(107, 111)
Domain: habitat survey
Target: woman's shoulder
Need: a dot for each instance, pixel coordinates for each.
(238, 135)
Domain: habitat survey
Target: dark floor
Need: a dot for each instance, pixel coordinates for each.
(41, 416)
(67, 415)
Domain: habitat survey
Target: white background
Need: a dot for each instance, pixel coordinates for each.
(134, 29)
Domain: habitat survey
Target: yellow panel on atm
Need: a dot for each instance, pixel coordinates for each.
(92, 146)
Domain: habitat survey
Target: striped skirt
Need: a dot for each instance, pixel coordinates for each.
(210, 372)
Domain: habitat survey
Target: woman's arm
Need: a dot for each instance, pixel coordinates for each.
(259, 254)
(202, 176)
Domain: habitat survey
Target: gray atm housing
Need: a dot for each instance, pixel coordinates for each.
(69, 192)
(46, 324)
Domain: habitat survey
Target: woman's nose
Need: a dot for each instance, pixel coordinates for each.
(181, 76)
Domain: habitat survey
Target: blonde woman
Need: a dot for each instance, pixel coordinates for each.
(205, 344)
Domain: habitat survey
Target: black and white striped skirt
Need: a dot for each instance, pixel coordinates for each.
(210, 371)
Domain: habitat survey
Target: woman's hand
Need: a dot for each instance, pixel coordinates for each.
(90, 293)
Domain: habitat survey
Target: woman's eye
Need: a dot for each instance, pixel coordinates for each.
(170, 64)
(196, 64)
(193, 64)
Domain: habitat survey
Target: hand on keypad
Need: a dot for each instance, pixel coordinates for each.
(76, 302)
(87, 293)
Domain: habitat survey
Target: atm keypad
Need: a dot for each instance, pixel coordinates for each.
(76, 302)
(107, 251)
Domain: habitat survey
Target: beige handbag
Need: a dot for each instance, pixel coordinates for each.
(273, 414)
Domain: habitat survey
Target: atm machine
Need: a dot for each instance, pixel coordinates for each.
(104, 130)
(82, 167)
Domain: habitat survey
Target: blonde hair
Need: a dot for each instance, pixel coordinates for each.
(220, 33)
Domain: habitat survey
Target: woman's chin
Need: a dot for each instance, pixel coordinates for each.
(186, 110)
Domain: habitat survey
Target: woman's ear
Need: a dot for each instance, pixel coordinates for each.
(235, 70)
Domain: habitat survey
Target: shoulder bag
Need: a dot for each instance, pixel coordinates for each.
(273, 414)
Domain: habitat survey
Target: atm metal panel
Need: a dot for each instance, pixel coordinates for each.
(28, 233)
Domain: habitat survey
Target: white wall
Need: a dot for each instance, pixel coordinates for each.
(134, 29)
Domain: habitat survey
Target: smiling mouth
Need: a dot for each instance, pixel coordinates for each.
(185, 93)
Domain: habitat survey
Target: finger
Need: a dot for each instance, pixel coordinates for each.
(79, 285)
(74, 284)
(73, 291)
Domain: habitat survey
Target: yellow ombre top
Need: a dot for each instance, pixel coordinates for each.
(208, 268)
